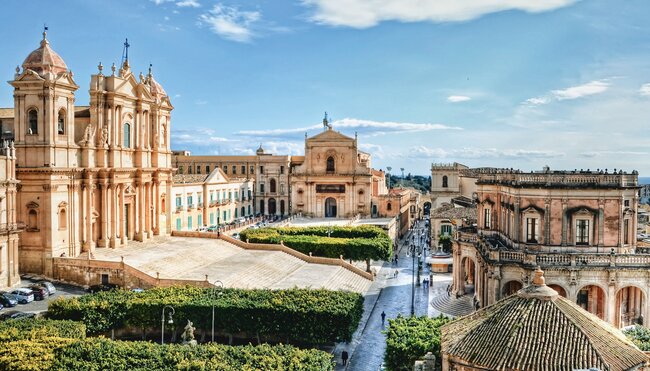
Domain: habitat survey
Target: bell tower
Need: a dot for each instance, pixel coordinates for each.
(44, 110)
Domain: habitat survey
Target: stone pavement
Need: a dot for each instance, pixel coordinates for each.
(194, 258)
(391, 295)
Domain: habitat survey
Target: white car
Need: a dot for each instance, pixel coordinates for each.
(23, 296)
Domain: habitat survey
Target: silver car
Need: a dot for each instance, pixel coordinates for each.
(49, 286)
(23, 296)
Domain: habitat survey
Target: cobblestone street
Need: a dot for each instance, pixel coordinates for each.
(369, 343)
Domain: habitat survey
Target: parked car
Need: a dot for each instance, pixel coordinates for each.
(49, 286)
(15, 314)
(202, 229)
(235, 235)
(213, 228)
(23, 296)
(40, 292)
(102, 287)
(137, 289)
(7, 300)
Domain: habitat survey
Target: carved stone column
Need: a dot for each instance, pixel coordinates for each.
(601, 222)
(122, 215)
(565, 202)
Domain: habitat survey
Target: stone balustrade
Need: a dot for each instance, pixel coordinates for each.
(571, 179)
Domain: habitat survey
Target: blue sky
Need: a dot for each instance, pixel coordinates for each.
(505, 83)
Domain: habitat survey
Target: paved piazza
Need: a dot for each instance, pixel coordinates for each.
(193, 258)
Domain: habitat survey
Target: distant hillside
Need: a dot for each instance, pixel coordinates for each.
(419, 182)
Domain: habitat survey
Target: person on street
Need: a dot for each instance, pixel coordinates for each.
(383, 317)
(344, 357)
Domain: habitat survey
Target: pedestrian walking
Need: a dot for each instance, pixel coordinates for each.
(395, 275)
(383, 317)
(344, 357)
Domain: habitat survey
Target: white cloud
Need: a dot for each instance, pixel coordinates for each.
(613, 153)
(367, 127)
(645, 90)
(573, 92)
(188, 3)
(376, 150)
(458, 98)
(479, 153)
(158, 2)
(199, 137)
(368, 13)
(230, 22)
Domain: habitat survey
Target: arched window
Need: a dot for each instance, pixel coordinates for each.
(60, 127)
(32, 220)
(330, 164)
(444, 181)
(389, 207)
(127, 135)
(63, 220)
(272, 185)
(32, 118)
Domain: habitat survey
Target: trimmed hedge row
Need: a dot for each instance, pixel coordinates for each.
(102, 354)
(355, 243)
(410, 338)
(32, 329)
(295, 315)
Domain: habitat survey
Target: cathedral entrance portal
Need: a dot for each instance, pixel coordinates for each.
(272, 207)
(330, 208)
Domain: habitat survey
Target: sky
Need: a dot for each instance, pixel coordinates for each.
(501, 83)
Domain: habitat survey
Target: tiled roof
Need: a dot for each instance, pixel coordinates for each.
(189, 178)
(536, 329)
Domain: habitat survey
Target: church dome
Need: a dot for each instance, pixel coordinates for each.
(536, 329)
(44, 59)
(260, 150)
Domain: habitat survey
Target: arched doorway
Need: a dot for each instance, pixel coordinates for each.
(630, 305)
(330, 207)
(272, 206)
(592, 299)
(559, 289)
(468, 275)
(511, 287)
(281, 207)
(243, 211)
(262, 207)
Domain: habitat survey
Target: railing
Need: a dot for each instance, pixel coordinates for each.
(560, 178)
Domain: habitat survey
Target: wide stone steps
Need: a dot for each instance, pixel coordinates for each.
(453, 306)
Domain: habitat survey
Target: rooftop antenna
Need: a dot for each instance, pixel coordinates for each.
(125, 51)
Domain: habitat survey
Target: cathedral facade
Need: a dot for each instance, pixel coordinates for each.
(90, 176)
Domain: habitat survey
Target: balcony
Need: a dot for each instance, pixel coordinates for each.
(190, 207)
(179, 208)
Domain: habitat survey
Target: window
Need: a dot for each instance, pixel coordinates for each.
(487, 218)
(282, 188)
(200, 199)
(531, 230)
(207, 169)
(32, 118)
(224, 216)
(61, 123)
(445, 181)
(198, 169)
(127, 135)
(445, 230)
(234, 169)
(249, 210)
(63, 220)
(261, 169)
(211, 218)
(189, 201)
(189, 223)
(32, 219)
(389, 207)
(236, 213)
(200, 220)
(272, 185)
(252, 170)
(179, 201)
(261, 187)
(582, 232)
(250, 194)
(178, 224)
(626, 231)
(626, 203)
(180, 170)
(281, 169)
(243, 169)
(225, 169)
(330, 164)
(189, 169)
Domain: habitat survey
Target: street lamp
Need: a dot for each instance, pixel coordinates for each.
(216, 291)
(389, 169)
(170, 320)
(413, 283)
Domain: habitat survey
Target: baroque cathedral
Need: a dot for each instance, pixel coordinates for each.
(90, 176)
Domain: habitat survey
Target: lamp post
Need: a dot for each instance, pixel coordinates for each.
(170, 321)
(216, 291)
(413, 283)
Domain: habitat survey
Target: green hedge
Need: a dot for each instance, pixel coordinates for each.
(640, 336)
(410, 338)
(295, 315)
(32, 329)
(355, 243)
(102, 354)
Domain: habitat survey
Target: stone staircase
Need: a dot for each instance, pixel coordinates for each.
(452, 306)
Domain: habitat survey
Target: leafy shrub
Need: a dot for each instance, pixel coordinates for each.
(356, 243)
(32, 329)
(410, 338)
(640, 336)
(298, 315)
(102, 354)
